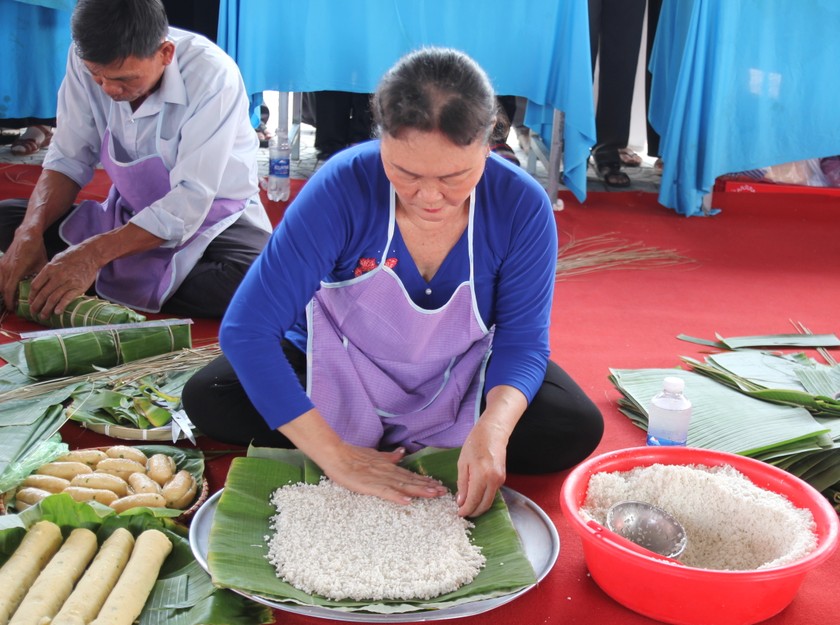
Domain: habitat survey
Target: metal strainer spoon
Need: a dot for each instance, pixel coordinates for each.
(648, 526)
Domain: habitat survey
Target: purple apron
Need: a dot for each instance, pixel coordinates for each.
(145, 280)
(384, 372)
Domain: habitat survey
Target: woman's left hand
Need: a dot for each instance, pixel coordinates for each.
(481, 469)
(482, 463)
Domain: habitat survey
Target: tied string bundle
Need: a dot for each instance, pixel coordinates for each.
(82, 311)
(85, 352)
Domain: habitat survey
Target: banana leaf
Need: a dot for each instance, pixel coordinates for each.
(183, 594)
(727, 415)
(82, 311)
(76, 354)
(26, 423)
(144, 402)
(237, 542)
(722, 418)
(767, 340)
(787, 379)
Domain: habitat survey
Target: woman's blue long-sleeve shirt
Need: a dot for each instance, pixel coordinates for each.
(336, 228)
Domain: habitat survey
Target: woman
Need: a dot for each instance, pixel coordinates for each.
(390, 277)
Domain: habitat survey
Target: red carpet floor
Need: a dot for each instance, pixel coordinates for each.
(761, 263)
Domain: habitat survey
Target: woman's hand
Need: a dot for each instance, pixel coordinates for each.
(482, 463)
(481, 469)
(360, 469)
(371, 472)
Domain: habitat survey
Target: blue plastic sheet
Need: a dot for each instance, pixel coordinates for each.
(35, 41)
(739, 85)
(539, 50)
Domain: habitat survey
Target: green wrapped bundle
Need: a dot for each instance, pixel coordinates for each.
(77, 354)
(82, 311)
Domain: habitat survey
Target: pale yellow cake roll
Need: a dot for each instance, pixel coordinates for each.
(19, 572)
(56, 581)
(96, 584)
(128, 597)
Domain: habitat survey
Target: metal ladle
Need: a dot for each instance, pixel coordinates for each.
(648, 526)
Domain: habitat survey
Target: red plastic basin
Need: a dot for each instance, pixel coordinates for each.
(693, 596)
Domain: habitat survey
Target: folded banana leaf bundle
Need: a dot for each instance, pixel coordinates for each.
(77, 354)
(82, 311)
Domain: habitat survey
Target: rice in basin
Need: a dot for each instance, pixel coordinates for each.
(731, 524)
(331, 542)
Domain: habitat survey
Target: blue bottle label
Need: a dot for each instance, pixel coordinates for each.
(279, 167)
(656, 441)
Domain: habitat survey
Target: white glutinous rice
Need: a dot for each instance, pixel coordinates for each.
(332, 542)
(730, 523)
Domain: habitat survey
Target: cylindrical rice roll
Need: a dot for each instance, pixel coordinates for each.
(96, 584)
(19, 572)
(126, 601)
(55, 583)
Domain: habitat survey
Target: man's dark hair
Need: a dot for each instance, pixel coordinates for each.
(105, 31)
(436, 89)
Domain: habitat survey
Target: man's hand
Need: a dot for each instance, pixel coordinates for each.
(67, 276)
(26, 256)
(51, 198)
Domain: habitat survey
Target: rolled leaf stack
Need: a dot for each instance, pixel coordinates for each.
(77, 354)
(82, 311)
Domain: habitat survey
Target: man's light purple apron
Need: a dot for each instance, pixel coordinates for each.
(145, 280)
(384, 372)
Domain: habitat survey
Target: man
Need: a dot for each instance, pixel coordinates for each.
(166, 113)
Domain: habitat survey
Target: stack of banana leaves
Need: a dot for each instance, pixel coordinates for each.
(781, 408)
(139, 395)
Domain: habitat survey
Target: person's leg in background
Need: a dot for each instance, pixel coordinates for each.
(35, 134)
(360, 127)
(654, 7)
(332, 115)
(615, 37)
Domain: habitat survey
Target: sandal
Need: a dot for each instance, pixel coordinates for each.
(629, 158)
(33, 139)
(658, 166)
(612, 175)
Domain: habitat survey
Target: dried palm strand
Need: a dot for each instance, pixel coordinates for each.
(82, 311)
(57, 355)
(127, 373)
(605, 251)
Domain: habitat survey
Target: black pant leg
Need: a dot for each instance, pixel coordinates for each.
(220, 409)
(560, 428)
(620, 39)
(360, 126)
(12, 213)
(210, 285)
(332, 119)
(654, 9)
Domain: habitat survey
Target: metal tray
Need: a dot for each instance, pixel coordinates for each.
(536, 531)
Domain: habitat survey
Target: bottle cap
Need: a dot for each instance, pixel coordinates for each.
(673, 385)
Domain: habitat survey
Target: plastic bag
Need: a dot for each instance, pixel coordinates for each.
(45, 452)
(805, 173)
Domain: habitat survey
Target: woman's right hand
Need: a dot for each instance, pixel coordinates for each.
(372, 472)
(359, 469)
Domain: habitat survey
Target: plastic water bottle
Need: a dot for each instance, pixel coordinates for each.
(669, 414)
(279, 154)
